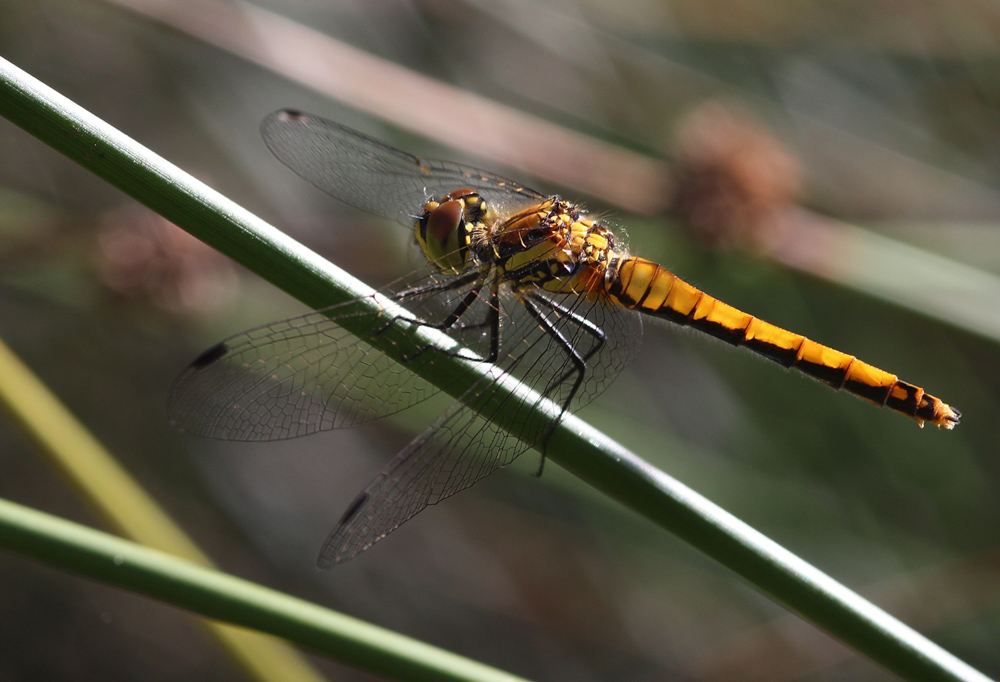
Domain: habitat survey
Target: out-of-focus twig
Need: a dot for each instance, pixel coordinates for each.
(735, 181)
(905, 275)
(432, 108)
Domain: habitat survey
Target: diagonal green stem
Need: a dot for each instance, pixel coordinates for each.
(224, 597)
(584, 451)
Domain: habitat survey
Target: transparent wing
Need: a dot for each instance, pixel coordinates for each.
(309, 374)
(373, 176)
(463, 446)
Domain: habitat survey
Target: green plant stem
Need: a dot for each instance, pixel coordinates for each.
(580, 449)
(223, 597)
(121, 500)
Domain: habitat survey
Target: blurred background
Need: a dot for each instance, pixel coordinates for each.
(833, 169)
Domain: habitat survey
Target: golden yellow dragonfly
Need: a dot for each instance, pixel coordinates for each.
(526, 283)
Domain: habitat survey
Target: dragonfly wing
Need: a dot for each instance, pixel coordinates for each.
(373, 176)
(454, 452)
(465, 444)
(308, 373)
(292, 378)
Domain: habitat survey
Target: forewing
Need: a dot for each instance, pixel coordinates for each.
(308, 373)
(463, 446)
(373, 176)
(292, 378)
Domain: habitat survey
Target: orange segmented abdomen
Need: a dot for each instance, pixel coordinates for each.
(643, 285)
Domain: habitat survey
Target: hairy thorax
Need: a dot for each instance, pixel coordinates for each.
(554, 246)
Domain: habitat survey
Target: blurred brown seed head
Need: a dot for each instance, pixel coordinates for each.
(143, 258)
(735, 181)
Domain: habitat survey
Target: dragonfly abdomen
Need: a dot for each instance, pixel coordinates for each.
(643, 285)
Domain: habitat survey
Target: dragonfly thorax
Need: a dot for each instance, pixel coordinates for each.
(555, 246)
(444, 230)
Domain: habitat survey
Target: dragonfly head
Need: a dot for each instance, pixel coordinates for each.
(443, 230)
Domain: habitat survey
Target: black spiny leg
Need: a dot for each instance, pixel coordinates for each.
(446, 285)
(492, 317)
(531, 304)
(452, 318)
(476, 277)
(492, 321)
(572, 316)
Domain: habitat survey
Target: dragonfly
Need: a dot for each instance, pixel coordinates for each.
(526, 284)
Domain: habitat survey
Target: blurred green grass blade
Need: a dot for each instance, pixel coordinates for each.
(223, 597)
(340, 71)
(908, 276)
(580, 449)
(121, 500)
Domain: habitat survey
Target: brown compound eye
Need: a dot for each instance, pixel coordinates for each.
(442, 235)
(475, 205)
(444, 220)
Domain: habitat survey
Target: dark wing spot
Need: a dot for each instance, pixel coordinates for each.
(355, 507)
(210, 356)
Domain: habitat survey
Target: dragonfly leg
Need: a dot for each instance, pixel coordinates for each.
(492, 320)
(534, 303)
(452, 318)
(591, 328)
(445, 285)
(426, 289)
(586, 325)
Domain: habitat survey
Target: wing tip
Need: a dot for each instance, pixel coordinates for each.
(338, 547)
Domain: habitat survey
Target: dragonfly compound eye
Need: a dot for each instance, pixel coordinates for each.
(442, 235)
(474, 206)
(444, 229)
